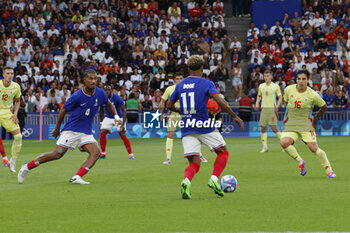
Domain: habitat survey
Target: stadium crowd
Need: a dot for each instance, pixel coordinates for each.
(317, 40)
(134, 46)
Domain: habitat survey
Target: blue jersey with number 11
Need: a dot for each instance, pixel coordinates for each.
(193, 93)
(83, 109)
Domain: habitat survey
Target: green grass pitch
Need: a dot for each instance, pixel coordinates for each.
(143, 195)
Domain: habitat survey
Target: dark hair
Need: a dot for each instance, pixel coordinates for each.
(179, 74)
(89, 72)
(306, 72)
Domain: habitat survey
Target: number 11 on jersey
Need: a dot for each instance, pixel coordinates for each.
(192, 103)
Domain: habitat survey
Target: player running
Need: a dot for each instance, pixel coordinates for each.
(269, 113)
(173, 119)
(10, 90)
(83, 106)
(107, 122)
(193, 93)
(299, 100)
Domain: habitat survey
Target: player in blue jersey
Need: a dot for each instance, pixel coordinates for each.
(196, 126)
(83, 106)
(107, 122)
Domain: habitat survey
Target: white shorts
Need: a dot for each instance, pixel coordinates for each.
(192, 142)
(236, 81)
(70, 140)
(108, 124)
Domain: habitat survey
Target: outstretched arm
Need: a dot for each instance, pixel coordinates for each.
(223, 105)
(60, 118)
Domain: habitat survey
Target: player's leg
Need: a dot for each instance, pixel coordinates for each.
(103, 142)
(94, 155)
(169, 147)
(263, 138)
(310, 139)
(3, 154)
(287, 140)
(192, 148)
(43, 158)
(16, 148)
(276, 131)
(127, 144)
(106, 127)
(216, 142)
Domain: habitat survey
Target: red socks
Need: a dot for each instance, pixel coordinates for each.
(31, 165)
(220, 163)
(2, 149)
(103, 142)
(126, 143)
(82, 171)
(191, 170)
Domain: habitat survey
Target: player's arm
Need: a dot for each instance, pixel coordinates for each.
(171, 106)
(320, 112)
(60, 118)
(223, 105)
(102, 114)
(111, 109)
(15, 110)
(161, 109)
(279, 102)
(257, 103)
(124, 113)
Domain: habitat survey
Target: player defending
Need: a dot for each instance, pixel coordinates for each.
(173, 119)
(10, 90)
(83, 106)
(193, 93)
(107, 122)
(267, 93)
(299, 99)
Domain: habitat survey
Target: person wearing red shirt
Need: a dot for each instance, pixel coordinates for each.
(331, 38)
(47, 62)
(245, 107)
(196, 11)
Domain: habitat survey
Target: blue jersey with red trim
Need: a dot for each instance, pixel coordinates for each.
(193, 93)
(83, 109)
(118, 102)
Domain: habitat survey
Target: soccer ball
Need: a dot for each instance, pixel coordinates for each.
(228, 184)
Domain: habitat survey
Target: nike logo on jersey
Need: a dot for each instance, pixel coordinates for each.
(82, 104)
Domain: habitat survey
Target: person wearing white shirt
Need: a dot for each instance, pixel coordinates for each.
(24, 56)
(235, 44)
(191, 5)
(40, 32)
(311, 65)
(273, 28)
(136, 77)
(52, 31)
(12, 61)
(217, 23)
(57, 66)
(318, 21)
(85, 52)
(99, 55)
(40, 101)
(307, 20)
(299, 64)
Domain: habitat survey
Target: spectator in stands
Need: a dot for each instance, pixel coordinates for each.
(132, 107)
(339, 101)
(147, 104)
(53, 106)
(237, 81)
(245, 107)
(40, 102)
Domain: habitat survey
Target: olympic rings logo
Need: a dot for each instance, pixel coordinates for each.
(227, 128)
(27, 132)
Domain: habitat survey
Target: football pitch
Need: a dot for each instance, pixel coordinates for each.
(143, 195)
